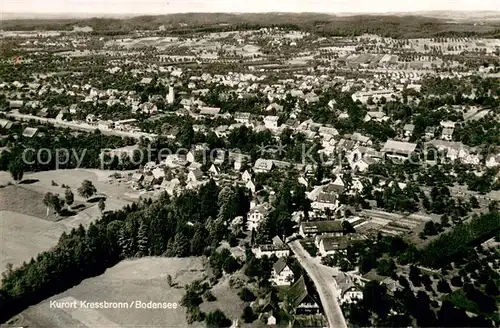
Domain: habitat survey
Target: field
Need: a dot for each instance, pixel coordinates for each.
(227, 301)
(25, 227)
(140, 279)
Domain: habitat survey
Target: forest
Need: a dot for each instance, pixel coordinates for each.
(322, 24)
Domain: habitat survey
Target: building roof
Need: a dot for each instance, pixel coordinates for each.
(398, 147)
(334, 243)
(209, 110)
(279, 265)
(322, 226)
(297, 292)
(263, 164)
(30, 132)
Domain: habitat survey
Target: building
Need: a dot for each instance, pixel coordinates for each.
(277, 248)
(331, 245)
(349, 288)
(263, 165)
(195, 175)
(209, 111)
(321, 228)
(398, 149)
(30, 132)
(170, 95)
(256, 215)
(281, 274)
(300, 298)
(408, 130)
(271, 122)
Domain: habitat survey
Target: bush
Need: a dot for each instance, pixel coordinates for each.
(248, 315)
(217, 319)
(246, 295)
(443, 286)
(209, 297)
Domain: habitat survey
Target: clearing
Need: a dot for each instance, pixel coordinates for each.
(129, 281)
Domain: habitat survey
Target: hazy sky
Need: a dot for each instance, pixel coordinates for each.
(172, 6)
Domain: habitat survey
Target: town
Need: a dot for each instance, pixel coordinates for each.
(258, 176)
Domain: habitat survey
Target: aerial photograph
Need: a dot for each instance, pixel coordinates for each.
(264, 163)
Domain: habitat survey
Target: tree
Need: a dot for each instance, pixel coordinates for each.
(16, 169)
(430, 228)
(69, 197)
(217, 319)
(248, 315)
(101, 205)
(52, 202)
(246, 295)
(87, 189)
(209, 296)
(169, 281)
(443, 286)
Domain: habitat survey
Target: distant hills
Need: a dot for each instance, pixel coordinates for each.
(398, 25)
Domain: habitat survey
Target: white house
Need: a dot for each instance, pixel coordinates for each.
(256, 215)
(349, 288)
(213, 170)
(493, 161)
(271, 122)
(194, 175)
(263, 165)
(281, 274)
(246, 176)
(250, 186)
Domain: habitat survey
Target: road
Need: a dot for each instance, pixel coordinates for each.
(81, 126)
(325, 285)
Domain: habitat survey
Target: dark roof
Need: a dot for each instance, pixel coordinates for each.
(322, 226)
(279, 265)
(297, 292)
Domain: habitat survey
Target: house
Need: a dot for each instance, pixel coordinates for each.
(275, 107)
(30, 132)
(277, 248)
(256, 215)
(263, 165)
(194, 175)
(209, 111)
(300, 299)
(90, 118)
(61, 115)
(5, 124)
(408, 130)
(336, 186)
(158, 173)
(398, 149)
(447, 134)
(322, 228)
(246, 176)
(430, 132)
(281, 274)
(331, 245)
(15, 104)
(349, 289)
(493, 161)
(250, 186)
(146, 80)
(213, 170)
(242, 117)
(73, 109)
(376, 116)
(271, 122)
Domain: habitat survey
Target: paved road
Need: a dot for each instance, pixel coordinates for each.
(325, 285)
(78, 126)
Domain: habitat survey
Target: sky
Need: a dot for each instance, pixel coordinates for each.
(175, 6)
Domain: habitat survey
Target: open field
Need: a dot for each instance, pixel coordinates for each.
(140, 279)
(227, 301)
(25, 228)
(24, 201)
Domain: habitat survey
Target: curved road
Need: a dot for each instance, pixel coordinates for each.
(325, 285)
